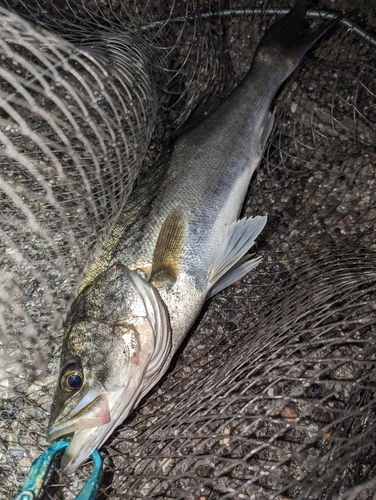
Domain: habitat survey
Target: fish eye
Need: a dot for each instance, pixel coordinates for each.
(72, 378)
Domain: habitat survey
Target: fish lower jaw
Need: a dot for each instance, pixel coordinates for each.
(70, 464)
(82, 445)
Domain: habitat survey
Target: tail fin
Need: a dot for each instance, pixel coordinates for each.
(292, 36)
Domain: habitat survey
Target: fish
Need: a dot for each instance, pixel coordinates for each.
(177, 242)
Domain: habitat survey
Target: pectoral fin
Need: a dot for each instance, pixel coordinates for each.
(232, 263)
(168, 250)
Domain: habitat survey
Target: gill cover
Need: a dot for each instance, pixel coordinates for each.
(116, 341)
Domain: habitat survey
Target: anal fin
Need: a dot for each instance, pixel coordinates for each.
(268, 127)
(232, 263)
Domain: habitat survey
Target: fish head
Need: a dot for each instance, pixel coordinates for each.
(114, 350)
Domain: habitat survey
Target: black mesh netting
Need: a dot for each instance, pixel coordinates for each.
(273, 393)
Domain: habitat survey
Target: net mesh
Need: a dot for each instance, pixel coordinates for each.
(272, 394)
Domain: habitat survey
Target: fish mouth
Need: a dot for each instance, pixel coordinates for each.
(84, 416)
(91, 424)
(85, 423)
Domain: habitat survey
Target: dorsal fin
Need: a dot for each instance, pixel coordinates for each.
(168, 250)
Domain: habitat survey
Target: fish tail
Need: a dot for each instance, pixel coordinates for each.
(292, 36)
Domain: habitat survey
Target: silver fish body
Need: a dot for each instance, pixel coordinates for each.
(176, 243)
